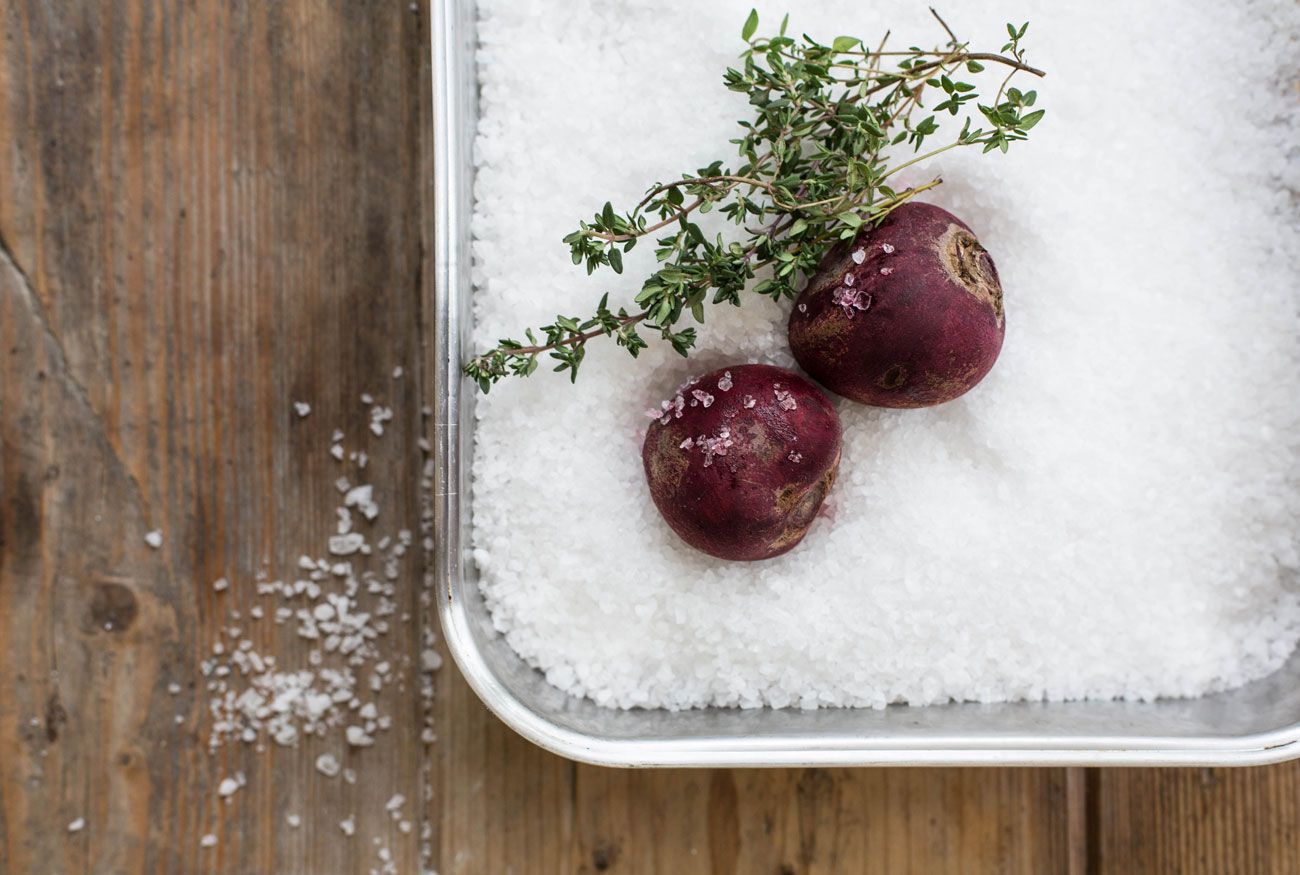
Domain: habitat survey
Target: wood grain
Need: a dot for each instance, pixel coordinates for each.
(207, 211)
(1197, 821)
(510, 807)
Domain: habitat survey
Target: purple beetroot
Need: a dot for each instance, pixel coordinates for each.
(907, 314)
(739, 460)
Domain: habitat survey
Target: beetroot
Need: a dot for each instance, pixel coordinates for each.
(739, 460)
(907, 314)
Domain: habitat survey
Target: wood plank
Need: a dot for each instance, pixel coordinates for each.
(509, 807)
(1194, 821)
(207, 211)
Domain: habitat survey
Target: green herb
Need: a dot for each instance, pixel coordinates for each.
(817, 162)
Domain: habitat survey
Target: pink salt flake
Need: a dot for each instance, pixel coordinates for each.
(686, 444)
(803, 308)
(886, 271)
(749, 401)
(725, 383)
(851, 299)
(703, 397)
(783, 398)
(848, 279)
(716, 445)
(678, 406)
(795, 457)
(887, 248)
(654, 413)
(859, 256)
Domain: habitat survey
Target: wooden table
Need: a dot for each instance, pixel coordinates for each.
(209, 211)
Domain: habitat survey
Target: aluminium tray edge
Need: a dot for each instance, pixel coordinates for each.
(452, 29)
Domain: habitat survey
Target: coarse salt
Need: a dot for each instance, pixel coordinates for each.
(1042, 530)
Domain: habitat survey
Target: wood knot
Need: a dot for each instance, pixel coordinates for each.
(113, 607)
(56, 717)
(604, 856)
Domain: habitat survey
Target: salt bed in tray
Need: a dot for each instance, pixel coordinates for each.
(1113, 512)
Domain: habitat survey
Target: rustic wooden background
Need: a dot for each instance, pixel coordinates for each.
(207, 211)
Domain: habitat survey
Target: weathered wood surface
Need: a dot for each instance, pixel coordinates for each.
(208, 211)
(1199, 821)
(509, 807)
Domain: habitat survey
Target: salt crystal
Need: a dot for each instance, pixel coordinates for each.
(77, 825)
(327, 765)
(357, 737)
(348, 825)
(228, 787)
(154, 538)
(859, 256)
(301, 408)
(294, 820)
(724, 384)
(888, 249)
(345, 545)
(703, 397)
(220, 584)
(208, 841)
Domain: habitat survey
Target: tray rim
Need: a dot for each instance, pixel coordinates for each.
(448, 20)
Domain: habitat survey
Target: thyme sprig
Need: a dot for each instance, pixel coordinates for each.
(817, 164)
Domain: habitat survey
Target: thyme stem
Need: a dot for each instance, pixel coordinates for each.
(816, 165)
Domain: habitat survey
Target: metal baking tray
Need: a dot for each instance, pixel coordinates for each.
(1255, 724)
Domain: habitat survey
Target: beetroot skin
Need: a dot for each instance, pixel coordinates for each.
(739, 460)
(908, 314)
